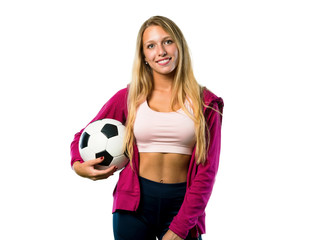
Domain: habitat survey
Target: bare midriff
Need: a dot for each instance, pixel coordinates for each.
(164, 167)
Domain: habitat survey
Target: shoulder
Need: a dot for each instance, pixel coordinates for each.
(212, 107)
(115, 107)
(118, 100)
(211, 99)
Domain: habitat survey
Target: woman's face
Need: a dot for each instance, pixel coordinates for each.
(160, 50)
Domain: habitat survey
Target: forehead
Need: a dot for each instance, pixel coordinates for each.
(154, 33)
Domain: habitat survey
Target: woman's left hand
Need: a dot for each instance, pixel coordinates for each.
(170, 235)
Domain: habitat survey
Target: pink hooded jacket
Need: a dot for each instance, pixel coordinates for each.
(200, 178)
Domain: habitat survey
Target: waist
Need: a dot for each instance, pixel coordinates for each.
(164, 167)
(167, 190)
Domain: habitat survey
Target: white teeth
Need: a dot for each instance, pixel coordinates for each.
(164, 61)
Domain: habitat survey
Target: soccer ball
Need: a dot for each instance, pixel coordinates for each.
(104, 138)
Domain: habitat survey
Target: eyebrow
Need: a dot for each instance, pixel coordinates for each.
(166, 37)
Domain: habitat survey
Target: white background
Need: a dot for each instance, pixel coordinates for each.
(60, 61)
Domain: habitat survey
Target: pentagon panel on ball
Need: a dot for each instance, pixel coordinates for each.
(104, 138)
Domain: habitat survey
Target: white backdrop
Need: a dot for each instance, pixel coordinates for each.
(60, 61)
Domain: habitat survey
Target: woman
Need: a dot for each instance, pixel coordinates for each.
(173, 128)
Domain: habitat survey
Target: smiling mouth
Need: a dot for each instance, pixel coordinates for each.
(164, 61)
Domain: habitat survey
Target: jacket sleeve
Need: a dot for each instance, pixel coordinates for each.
(198, 194)
(115, 108)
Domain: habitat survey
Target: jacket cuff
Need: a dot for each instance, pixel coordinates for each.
(181, 231)
(75, 160)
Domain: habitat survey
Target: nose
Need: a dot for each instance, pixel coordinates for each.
(162, 51)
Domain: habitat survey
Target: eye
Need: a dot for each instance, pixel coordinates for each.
(169, 41)
(150, 46)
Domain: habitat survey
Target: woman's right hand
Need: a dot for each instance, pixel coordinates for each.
(88, 169)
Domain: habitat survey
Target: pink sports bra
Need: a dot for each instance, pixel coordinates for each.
(167, 132)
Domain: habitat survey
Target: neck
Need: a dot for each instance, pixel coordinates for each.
(163, 82)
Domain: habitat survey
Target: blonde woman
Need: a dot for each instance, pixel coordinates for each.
(173, 132)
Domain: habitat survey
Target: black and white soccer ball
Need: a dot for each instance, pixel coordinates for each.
(104, 138)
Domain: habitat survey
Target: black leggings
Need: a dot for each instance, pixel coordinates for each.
(159, 203)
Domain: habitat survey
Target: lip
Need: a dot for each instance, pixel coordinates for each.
(164, 61)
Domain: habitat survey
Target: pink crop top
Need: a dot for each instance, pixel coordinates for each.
(167, 132)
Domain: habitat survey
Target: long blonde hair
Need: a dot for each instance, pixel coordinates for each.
(185, 87)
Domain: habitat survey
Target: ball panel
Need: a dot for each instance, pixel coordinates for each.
(84, 140)
(120, 161)
(107, 158)
(115, 146)
(87, 154)
(110, 130)
(121, 130)
(97, 142)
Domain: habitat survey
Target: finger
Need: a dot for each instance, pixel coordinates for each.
(95, 161)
